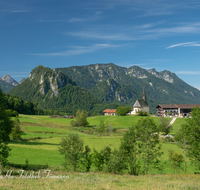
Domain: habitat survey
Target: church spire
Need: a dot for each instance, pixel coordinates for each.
(144, 95)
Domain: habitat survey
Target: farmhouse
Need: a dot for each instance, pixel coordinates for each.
(141, 105)
(175, 109)
(109, 111)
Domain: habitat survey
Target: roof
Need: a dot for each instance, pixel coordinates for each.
(140, 104)
(176, 106)
(167, 106)
(187, 106)
(110, 111)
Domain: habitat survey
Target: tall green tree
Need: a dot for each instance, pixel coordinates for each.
(191, 131)
(131, 152)
(181, 138)
(164, 125)
(140, 146)
(72, 148)
(16, 130)
(148, 140)
(6, 126)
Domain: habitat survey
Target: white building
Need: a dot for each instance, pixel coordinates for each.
(141, 105)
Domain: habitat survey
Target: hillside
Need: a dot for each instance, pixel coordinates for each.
(95, 86)
(7, 83)
(110, 91)
(163, 86)
(51, 89)
(6, 87)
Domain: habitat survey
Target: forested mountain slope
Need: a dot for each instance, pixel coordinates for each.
(51, 89)
(162, 86)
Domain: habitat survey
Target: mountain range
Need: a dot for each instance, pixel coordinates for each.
(7, 83)
(85, 87)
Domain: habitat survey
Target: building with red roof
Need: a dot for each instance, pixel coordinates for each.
(109, 111)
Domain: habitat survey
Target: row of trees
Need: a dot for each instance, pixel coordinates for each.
(137, 153)
(15, 105)
(7, 128)
(188, 138)
(139, 150)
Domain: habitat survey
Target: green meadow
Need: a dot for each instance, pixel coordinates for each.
(39, 149)
(42, 135)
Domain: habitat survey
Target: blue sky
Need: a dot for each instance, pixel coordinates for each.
(160, 34)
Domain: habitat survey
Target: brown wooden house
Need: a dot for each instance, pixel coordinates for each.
(175, 109)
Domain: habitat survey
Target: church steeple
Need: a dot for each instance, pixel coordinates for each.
(144, 95)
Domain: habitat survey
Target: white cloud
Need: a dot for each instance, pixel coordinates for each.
(19, 11)
(77, 20)
(101, 36)
(20, 75)
(80, 50)
(59, 20)
(184, 44)
(137, 32)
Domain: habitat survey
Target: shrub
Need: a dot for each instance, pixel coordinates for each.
(72, 148)
(16, 131)
(11, 113)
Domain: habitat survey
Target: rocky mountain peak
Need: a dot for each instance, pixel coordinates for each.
(166, 75)
(8, 79)
(21, 81)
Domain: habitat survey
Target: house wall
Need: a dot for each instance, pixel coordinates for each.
(109, 113)
(135, 110)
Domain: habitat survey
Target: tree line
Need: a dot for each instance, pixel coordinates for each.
(136, 154)
(139, 150)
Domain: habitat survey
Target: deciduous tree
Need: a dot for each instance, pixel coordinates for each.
(6, 126)
(191, 132)
(72, 148)
(121, 110)
(148, 141)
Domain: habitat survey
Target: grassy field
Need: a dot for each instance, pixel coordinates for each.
(100, 181)
(42, 135)
(39, 149)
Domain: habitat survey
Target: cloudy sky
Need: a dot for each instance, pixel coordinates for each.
(160, 34)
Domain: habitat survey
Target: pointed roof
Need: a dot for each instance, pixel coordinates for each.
(140, 104)
(144, 94)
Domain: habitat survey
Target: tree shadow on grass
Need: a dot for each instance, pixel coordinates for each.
(33, 167)
(26, 142)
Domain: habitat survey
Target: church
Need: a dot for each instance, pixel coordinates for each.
(141, 104)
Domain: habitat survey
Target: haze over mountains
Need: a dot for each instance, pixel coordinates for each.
(83, 87)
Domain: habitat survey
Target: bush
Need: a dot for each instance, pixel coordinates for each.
(176, 160)
(122, 111)
(11, 113)
(81, 119)
(16, 131)
(142, 113)
(116, 163)
(72, 148)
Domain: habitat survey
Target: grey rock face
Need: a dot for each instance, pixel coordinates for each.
(8, 79)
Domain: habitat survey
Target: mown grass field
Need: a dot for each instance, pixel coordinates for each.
(42, 135)
(41, 138)
(100, 181)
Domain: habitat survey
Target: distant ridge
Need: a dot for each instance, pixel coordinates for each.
(52, 89)
(21, 81)
(162, 86)
(7, 83)
(82, 87)
(8, 79)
